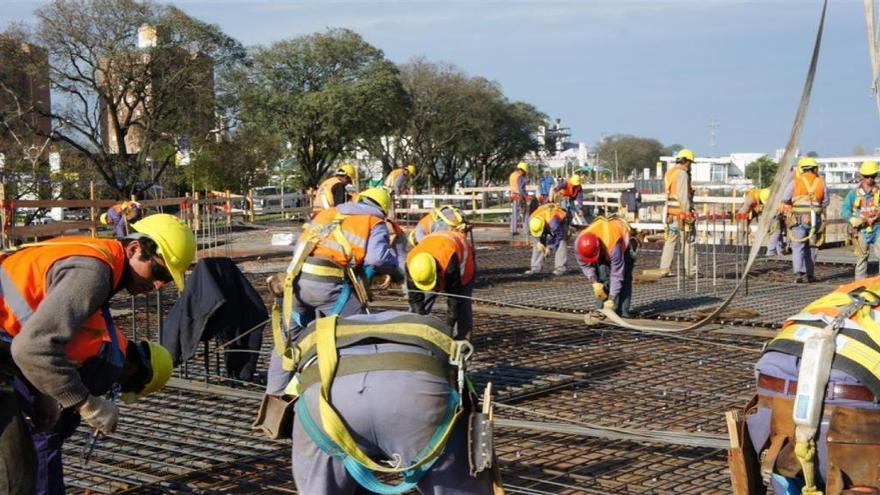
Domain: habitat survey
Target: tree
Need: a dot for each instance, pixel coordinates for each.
(626, 154)
(324, 93)
(124, 106)
(762, 171)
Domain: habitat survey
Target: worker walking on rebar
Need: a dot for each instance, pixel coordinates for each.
(606, 254)
(548, 227)
(386, 394)
(336, 190)
(334, 261)
(519, 198)
(446, 217)
(804, 201)
(396, 183)
(810, 430)
(443, 262)
(52, 326)
(679, 213)
(861, 208)
(570, 195)
(121, 215)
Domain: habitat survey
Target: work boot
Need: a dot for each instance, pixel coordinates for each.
(560, 271)
(529, 272)
(811, 278)
(800, 278)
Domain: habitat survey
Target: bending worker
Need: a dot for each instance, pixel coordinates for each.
(52, 324)
(120, 216)
(396, 182)
(548, 227)
(570, 195)
(861, 208)
(519, 198)
(336, 190)
(836, 443)
(443, 262)
(804, 201)
(337, 255)
(386, 395)
(445, 217)
(754, 201)
(606, 255)
(679, 214)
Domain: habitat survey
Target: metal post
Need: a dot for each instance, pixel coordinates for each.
(714, 249)
(147, 313)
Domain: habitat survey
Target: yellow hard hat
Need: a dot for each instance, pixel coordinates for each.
(161, 365)
(176, 242)
(764, 195)
(411, 169)
(523, 166)
(456, 219)
(379, 196)
(868, 168)
(423, 271)
(807, 162)
(103, 218)
(346, 169)
(575, 180)
(536, 226)
(685, 154)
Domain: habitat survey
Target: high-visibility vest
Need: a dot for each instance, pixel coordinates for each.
(673, 203)
(325, 193)
(442, 245)
(347, 245)
(514, 183)
(857, 343)
(872, 202)
(610, 231)
(809, 191)
(23, 282)
(549, 212)
(570, 191)
(392, 178)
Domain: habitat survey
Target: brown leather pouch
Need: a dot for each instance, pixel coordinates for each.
(853, 444)
(275, 417)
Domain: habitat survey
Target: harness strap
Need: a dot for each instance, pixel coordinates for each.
(385, 361)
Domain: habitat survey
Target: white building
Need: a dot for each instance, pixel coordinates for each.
(723, 170)
(843, 169)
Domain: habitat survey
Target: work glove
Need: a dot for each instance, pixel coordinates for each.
(100, 413)
(543, 249)
(599, 291)
(608, 304)
(856, 222)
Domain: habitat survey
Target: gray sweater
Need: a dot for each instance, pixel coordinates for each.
(76, 288)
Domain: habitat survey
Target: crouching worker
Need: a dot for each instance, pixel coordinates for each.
(606, 255)
(446, 217)
(548, 227)
(813, 431)
(386, 394)
(52, 324)
(443, 262)
(120, 216)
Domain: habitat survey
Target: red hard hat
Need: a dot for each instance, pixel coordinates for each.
(588, 247)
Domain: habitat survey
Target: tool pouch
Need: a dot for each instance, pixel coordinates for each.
(480, 442)
(853, 443)
(742, 459)
(275, 417)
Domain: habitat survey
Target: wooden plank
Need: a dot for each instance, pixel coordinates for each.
(49, 230)
(63, 203)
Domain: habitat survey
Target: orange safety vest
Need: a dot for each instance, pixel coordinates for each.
(673, 204)
(427, 223)
(442, 245)
(325, 193)
(610, 231)
(549, 211)
(872, 203)
(355, 230)
(514, 183)
(570, 191)
(809, 190)
(392, 177)
(23, 281)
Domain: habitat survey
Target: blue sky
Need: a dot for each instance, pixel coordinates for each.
(660, 68)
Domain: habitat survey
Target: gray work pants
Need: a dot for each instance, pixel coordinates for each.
(517, 216)
(561, 256)
(459, 310)
(863, 250)
(384, 428)
(803, 256)
(312, 300)
(670, 246)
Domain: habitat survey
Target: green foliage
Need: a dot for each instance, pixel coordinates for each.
(762, 171)
(626, 155)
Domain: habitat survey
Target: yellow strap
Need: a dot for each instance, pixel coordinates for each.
(330, 420)
(322, 271)
(806, 455)
(847, 347)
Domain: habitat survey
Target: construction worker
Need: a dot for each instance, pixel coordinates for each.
(548, 227)
(680, 215)
(753, 204)
(120, 216)
(52, 323)
(606, 255)
(837, 442)
(804, 201)
(519, 198)
(861, 208)
(395, 183)
(446, 217)
(545, 186)
(336, 257)
(443, 262)
(337, 189)
(570, 195)
(392, 385)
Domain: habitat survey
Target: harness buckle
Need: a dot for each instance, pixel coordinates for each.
(463, 352)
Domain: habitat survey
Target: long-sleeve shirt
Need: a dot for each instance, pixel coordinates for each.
(683, 191)
(77, 287)
(379, 255)
(617, 265)
(849, 210)
(554, 232)
(546, 185)
(578, 198)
